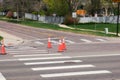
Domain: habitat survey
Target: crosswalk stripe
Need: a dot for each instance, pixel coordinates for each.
(2, 77)
(37, 55)
(26, 47)
(8, 60)
(62, 67)
(18, 53)
(85, 40)
(69, 41)
(24, 51)
(38, 42)
(31, 51)
(44, 58)
(52, 62)
(102, 40)
(55, 42)
(101, 55)
(75, 73)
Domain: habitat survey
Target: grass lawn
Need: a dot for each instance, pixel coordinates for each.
(91, 26)
(1, 38)
(99, 27)
(96, 26)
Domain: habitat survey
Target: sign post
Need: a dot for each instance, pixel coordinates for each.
(118, 12)
(74, 15)
(117, 30)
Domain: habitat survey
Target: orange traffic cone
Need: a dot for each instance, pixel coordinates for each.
(63, 44)
(49, 43)
(3, 51)
(60, 47)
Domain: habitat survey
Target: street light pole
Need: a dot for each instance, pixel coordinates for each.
(117, 30)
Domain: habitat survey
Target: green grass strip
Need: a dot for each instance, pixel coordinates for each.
(88, 28)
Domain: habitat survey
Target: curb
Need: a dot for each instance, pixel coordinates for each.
(10, 40)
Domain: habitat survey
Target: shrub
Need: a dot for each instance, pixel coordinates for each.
(9, 14)
(42, 13)
(1, 38)
(69, 20)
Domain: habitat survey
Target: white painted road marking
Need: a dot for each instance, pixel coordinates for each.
(104, 55)
(27, 51)
(52, 62)
(37, 55)
(2, 77)
(8, 60)
(71, 42)
(38, 42)
(44, 58)
(18, 53)
(102, 40)
(85, 40)
(67, 57)
(75, 73)
(62, 67)
(55, 42)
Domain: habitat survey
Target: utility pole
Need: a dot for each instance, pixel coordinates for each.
(117, 29)
(118, 13)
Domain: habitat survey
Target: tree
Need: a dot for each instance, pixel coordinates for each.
(58, 7)
(108, 6)
(72, 5)
(95, 5)
(62, 7)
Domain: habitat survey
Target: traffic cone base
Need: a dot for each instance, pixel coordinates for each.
(3, 51)
(60, 47)
(49, 45)
(64, 46)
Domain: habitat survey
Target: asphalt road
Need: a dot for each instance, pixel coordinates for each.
(86, 57)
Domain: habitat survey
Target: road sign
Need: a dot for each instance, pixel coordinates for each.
(116, 0)
(81, 12)
(74, 15)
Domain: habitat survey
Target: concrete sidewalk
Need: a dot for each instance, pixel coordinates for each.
(10, 40)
